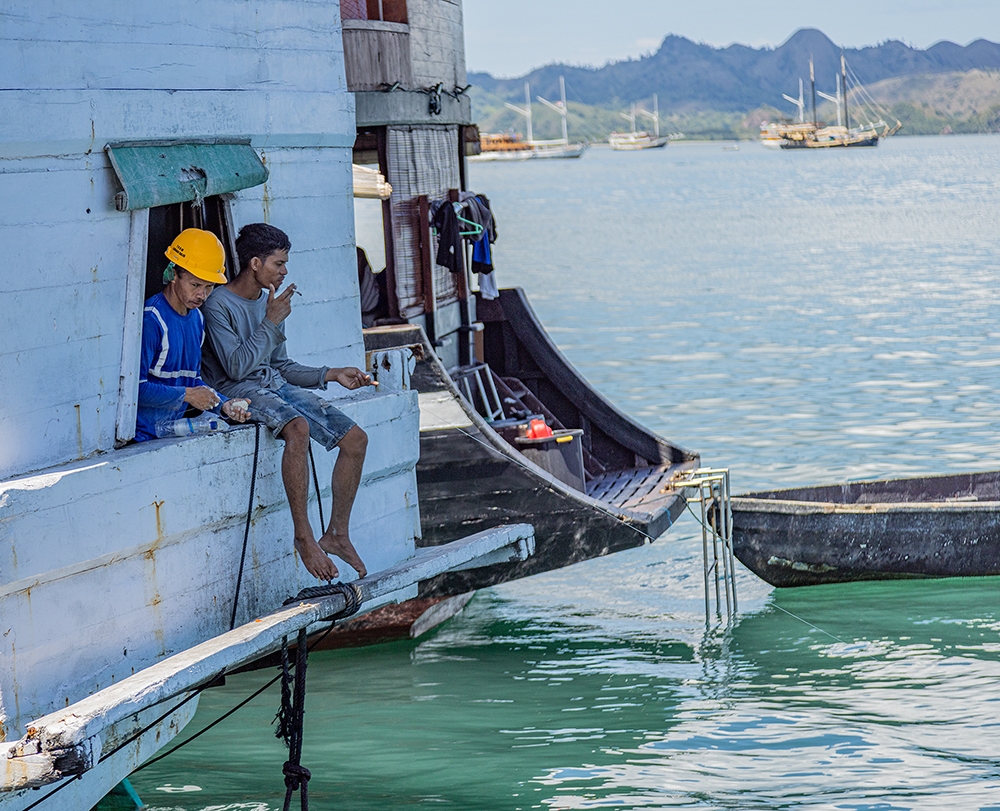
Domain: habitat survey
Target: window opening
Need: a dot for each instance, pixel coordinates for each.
(152, 232)
(166, 222)
(389, 11)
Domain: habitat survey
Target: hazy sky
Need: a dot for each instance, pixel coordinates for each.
(511, 37)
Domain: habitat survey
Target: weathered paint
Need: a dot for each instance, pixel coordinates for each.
(111, 559)
(79, 793)
(434, 45)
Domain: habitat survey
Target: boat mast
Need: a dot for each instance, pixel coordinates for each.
(559, 108)
(562, 103)
(835, 100)
(525, 111)
(799, 102)
(630, 118)
(843, 84)
(812, 82)
(653, 116)
(527, 107)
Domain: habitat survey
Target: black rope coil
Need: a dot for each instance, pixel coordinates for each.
(353, 597)
(290, 720)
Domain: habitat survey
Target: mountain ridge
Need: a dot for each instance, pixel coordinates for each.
(691, 77)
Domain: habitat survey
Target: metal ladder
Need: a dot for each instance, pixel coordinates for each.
(713, 495)
(479, 374)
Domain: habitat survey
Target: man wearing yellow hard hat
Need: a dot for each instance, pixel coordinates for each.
(173, 330)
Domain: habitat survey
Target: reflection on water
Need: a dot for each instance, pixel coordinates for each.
(799, 318)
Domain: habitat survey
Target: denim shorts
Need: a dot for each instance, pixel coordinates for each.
(327, 424)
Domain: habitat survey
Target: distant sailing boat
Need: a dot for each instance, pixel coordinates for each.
(816, 134)
(632, 140)
(509, 146)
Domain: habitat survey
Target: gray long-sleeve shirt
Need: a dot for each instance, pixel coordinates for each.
(245, 351)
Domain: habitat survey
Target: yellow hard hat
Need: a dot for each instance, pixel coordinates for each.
(200, 253)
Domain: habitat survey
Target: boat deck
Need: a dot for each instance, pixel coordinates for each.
(641, 490)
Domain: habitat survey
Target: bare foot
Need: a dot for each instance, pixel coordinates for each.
(316, 562)
(341, 546)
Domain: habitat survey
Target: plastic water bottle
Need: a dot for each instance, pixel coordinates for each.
(189, 426)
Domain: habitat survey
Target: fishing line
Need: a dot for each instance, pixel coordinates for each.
(832, 636)
(785, 610)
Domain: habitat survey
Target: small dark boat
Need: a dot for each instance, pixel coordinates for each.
(930, 526)
(491, 382)
(601, 484)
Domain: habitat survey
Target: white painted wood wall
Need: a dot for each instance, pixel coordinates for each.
(111, 559)
(437, 42)
(79, 76)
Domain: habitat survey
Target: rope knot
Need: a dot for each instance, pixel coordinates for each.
(295, 775)
(353, 597)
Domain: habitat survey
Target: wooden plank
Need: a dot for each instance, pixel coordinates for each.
(128, 389)
(622, 487)
(438, 613)
(610, 483)
(426, 266)
(78, 728)
(374, 57)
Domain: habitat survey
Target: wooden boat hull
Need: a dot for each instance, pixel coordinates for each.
(549, 152)
(940, 526)
(627, 144)
(807, 144)
(468, 476)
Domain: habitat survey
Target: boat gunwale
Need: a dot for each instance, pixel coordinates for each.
(515, 456)
(799, 507)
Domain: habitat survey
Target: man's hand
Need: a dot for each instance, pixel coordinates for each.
(279, 306)
(236, 410)
(349, 377)
(201, 397)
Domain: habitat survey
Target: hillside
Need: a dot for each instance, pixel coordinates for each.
(721, 92)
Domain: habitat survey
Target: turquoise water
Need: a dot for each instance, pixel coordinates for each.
(798, 318)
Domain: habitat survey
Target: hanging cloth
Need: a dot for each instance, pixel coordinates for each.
(445, 222)
(482, 256)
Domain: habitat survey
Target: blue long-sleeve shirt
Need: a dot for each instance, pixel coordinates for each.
(170, 362)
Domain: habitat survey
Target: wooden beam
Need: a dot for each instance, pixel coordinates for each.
(426, 264)
(68, 741)
(388, 232)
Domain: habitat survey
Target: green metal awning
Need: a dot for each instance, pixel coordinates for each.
(161, 173)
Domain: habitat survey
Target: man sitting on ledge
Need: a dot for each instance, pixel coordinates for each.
(173, 330)
(245, 357)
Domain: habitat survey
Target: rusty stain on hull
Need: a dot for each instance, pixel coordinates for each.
(159, 522)
(266, 197)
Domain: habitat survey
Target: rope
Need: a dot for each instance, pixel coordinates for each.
(319, 495)
(353, 597)
(205, 729)
(290, 720)
(225, 715)
(246, 529)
